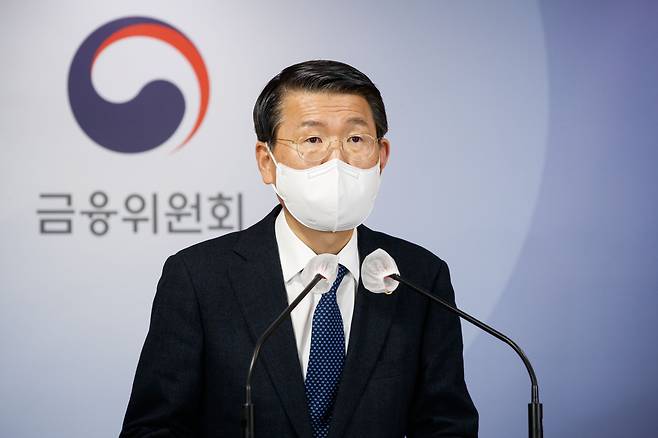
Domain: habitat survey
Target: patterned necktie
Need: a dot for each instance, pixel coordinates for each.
(325, 364)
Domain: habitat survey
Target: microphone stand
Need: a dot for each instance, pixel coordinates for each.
(248, 406)
(535, 409)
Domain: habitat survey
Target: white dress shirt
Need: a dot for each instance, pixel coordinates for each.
(294, 255)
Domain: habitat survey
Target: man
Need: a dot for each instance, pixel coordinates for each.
(348, 363)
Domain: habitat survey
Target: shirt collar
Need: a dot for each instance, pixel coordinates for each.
(294, 253)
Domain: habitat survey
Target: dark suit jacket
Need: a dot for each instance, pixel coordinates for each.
(403, 372)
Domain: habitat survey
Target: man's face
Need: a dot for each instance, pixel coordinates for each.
(323, 114)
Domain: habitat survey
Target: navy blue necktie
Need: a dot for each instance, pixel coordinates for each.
(326, 360)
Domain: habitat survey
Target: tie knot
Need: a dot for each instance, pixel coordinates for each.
(342, 271)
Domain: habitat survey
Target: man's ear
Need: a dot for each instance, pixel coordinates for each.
(265, 164)
(384, 153)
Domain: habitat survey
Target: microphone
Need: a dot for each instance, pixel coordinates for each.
(380, 274)
(320, 271)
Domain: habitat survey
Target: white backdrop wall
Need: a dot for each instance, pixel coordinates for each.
(466, 100)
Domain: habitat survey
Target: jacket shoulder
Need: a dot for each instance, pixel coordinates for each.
(257, 235)
(210, 247)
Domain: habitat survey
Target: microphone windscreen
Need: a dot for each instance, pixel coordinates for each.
(376, 268)
(325, 265)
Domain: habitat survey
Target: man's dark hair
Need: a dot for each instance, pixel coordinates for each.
(320, 76)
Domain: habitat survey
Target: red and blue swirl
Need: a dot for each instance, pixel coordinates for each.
(153, 116)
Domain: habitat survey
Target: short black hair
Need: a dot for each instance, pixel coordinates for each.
(320, 76)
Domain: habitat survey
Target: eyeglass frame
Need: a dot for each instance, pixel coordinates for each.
(295, 145)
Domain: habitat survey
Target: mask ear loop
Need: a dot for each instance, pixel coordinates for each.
(271, 154)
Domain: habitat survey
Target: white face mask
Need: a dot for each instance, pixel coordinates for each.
(333, 196)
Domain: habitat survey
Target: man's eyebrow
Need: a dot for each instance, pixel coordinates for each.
(351, 120)
(357, 121)
(311, 123)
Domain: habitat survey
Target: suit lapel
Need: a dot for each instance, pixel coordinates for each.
(258, 284)
(373, 314)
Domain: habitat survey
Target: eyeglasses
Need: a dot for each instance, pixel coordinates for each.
(357, 148)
